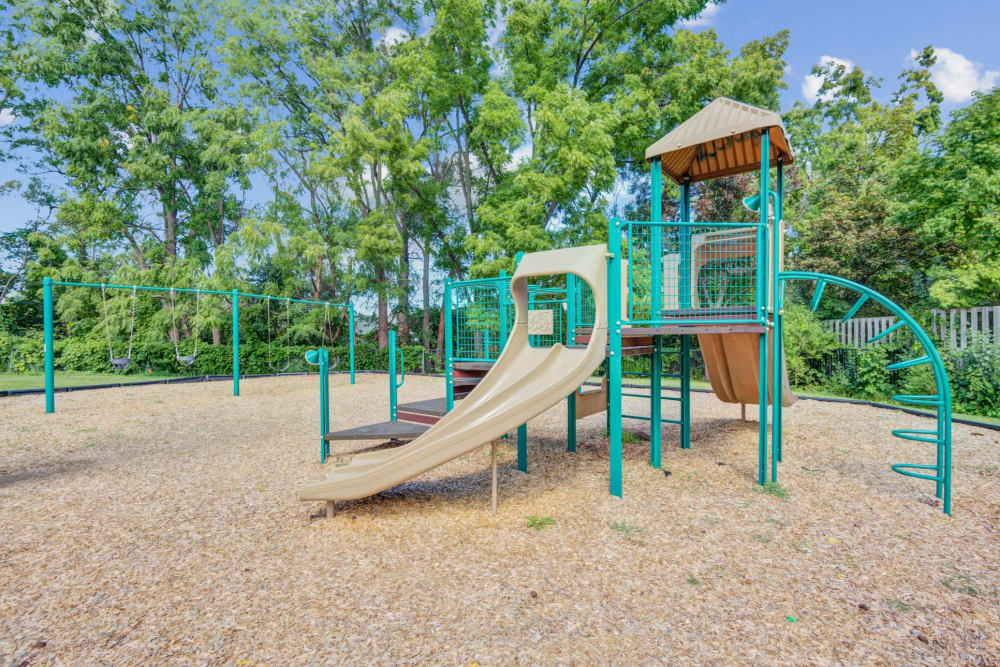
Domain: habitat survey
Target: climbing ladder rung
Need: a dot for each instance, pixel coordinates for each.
(885, 333)
(817, 295)
(918, 399)
(907, 470)
(855, 308)
(918, 435)
(908, 363)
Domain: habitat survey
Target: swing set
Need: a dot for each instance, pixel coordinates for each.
(123, 363)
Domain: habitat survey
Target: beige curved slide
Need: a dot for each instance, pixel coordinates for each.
(523, 383)
(732, 364)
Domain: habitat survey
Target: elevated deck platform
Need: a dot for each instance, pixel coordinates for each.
(381, 431)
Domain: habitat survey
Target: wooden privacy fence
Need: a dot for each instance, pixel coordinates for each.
(955, 328)
(958, 326)
(857, 331)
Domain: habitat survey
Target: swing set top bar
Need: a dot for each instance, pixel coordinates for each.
(191, 290)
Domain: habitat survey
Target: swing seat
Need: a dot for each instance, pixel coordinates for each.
(280, 370)
(186, 361)
(121, 363)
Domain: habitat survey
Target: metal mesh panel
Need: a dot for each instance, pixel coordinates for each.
(480, 327)
(683, 273)
(554, 300)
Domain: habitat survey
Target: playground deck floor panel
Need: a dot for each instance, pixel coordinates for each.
(159, 524)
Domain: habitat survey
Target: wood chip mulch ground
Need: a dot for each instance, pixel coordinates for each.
(159, 524)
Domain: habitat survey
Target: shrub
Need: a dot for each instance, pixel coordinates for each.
(807, 344)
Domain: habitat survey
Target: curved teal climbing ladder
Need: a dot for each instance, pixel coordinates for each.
(938, 472)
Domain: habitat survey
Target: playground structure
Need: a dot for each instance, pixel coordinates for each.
(122, 363)
(720, 281)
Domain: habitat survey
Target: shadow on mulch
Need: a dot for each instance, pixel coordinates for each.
(8, 477)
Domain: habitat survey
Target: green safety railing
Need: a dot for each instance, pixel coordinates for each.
(694, 272)
(49, 323)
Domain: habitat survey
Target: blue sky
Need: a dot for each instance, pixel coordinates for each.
(877, 35)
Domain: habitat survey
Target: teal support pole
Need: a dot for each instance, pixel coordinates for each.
(324, 379)
(236, 343)
(685, 403)
(615, 357)
(777, 386)
(321, 357)
(350, 326)
(503, 301)
(571, 423)
(656, 240)
(685, 302)
(449, 355)
(571, 314)
(50, 365)
(655, 402)
(522, 448)
(762, 269)
(392, 376)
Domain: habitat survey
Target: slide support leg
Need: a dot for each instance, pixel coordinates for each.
(571, 423)
(685, 392)
(522, 448)
(655, 403)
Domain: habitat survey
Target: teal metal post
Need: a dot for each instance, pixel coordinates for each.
(615, 357)
(656, 239)
(449, 356)
(571, 314)
(502, 300)
(655, 402)
(50, 366)
(656, 310)
(236, 343)
(685, 302)
(321, 358)
(571, 423)
(570, 339)
(762, 271)
(522, 448)
(777, 386)
(350, 325)
(392, 375)
(324, 385)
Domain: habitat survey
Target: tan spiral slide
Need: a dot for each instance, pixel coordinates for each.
(523, 383)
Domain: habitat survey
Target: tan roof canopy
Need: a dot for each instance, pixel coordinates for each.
(721, 139)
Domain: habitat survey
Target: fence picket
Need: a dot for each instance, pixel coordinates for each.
(955, 327)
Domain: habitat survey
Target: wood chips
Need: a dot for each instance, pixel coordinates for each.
(160, 524)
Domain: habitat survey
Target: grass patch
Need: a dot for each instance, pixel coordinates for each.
(14, 382)
(773, 489)
(628, 437)
(692, 580)
(626, 529)
(899, 605)
(961, 584)
(763, 538)
(802, 547)
(538, 522)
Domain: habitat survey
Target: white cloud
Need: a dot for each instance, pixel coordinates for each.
(957, 76)
(393, 36)
(812, 83)
(6, 117)
(703, 20)
(521, 154)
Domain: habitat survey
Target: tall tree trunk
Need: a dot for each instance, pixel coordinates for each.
(404, 291)
(383, 308)
(440, 342)
(426, 289)
(216, 336)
